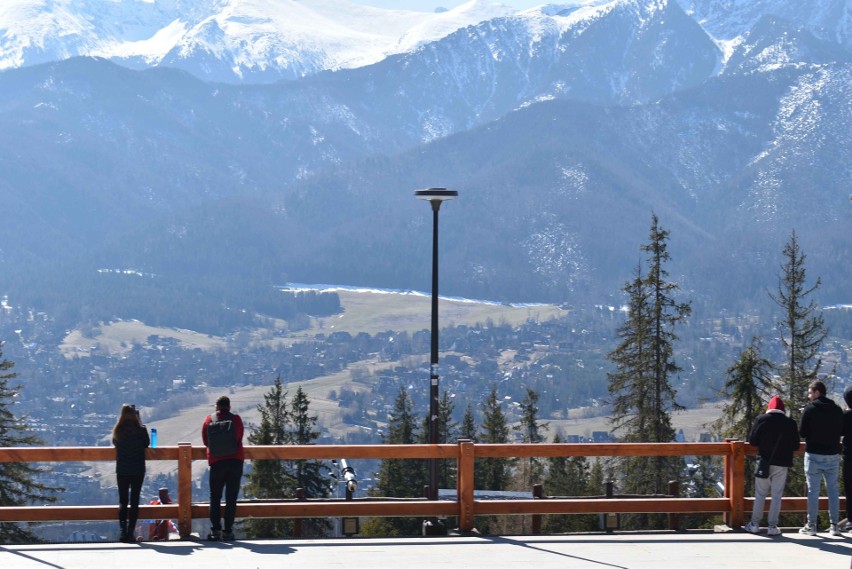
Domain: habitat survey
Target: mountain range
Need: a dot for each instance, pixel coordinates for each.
(261, 147)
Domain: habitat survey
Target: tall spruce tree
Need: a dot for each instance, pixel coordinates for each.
(19, 483)
(467, 430)
(493, 473)
(400, 478)
(643, 396)
(531, 470)
(270, 479)
(748, 387)
(309, 475)
(802, 327)
(285, 423)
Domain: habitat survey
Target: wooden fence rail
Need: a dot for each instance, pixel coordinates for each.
(732, 505)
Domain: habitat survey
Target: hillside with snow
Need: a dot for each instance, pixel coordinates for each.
(231, 41)
(561, 126)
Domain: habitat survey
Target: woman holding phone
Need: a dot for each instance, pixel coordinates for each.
(130, 438)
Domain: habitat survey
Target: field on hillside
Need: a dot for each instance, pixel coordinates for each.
(363, 311)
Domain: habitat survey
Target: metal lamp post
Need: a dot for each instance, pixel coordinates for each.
(434, 196)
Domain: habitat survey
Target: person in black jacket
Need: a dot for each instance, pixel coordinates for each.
(777, 438)
(130, 438)
(847, 456)
(821, 427)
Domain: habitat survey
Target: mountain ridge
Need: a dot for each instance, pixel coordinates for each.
(561, 139)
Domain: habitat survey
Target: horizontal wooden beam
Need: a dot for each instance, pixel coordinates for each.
(465, 507)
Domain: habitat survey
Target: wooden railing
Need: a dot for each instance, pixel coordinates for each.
(732, 505)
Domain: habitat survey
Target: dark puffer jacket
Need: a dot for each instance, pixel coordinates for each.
(771, 427)
(822, 426)
(130, 444)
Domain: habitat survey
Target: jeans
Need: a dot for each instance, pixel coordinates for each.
(129, 489)
(772, 486)
(826, 466)
(224, 475)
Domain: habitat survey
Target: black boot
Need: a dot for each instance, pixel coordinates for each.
(122, 536)
(131, 534)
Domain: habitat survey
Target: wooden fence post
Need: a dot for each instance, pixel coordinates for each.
(464, 486)
(737, 483)
(297, 523)
(184, 489)
(674, 491)
(538, 494)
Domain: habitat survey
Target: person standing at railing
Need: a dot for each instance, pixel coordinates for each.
(130, 438)
(821, 427)
(222, 433)
(777, 438)
(847, 456)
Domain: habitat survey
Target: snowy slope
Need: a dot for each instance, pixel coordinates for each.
(728, 20)
(224, 39)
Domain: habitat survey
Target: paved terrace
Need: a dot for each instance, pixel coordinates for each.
(692, 550)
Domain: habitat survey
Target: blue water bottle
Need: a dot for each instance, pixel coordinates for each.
(153, 438)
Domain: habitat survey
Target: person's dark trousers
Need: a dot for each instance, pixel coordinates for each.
(224, 475)
(129, 489)
(847, 483)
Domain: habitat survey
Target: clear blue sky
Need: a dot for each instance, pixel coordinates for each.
(430, 5)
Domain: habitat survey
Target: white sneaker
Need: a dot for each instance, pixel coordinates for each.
(832, 529)
(773, 530)
(808, 530)
(846, 527)
(752, 527)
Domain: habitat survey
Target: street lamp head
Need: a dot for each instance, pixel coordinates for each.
(436, 194)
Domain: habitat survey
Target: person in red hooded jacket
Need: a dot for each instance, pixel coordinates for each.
(777, 438)
(159, 530)
(226, 470)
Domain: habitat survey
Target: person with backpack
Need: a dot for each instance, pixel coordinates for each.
(222, 433)
(130, 438)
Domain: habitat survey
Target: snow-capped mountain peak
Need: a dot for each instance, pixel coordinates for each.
(224, 40)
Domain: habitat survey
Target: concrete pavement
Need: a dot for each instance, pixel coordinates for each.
(693, 550)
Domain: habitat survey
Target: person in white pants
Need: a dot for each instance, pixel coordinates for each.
(777, 438)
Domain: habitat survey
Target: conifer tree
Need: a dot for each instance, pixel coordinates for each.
(643, 396)
(19, 483)
(493, 473)
(447, 429)
(270, 479)
(307, 474)
(532, 469)
(802, 327)
(748, 387)
(285, 423)
(400, 478)
(568, 476)
(468, 425)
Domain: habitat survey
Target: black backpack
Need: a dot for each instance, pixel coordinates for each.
(221, 436)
